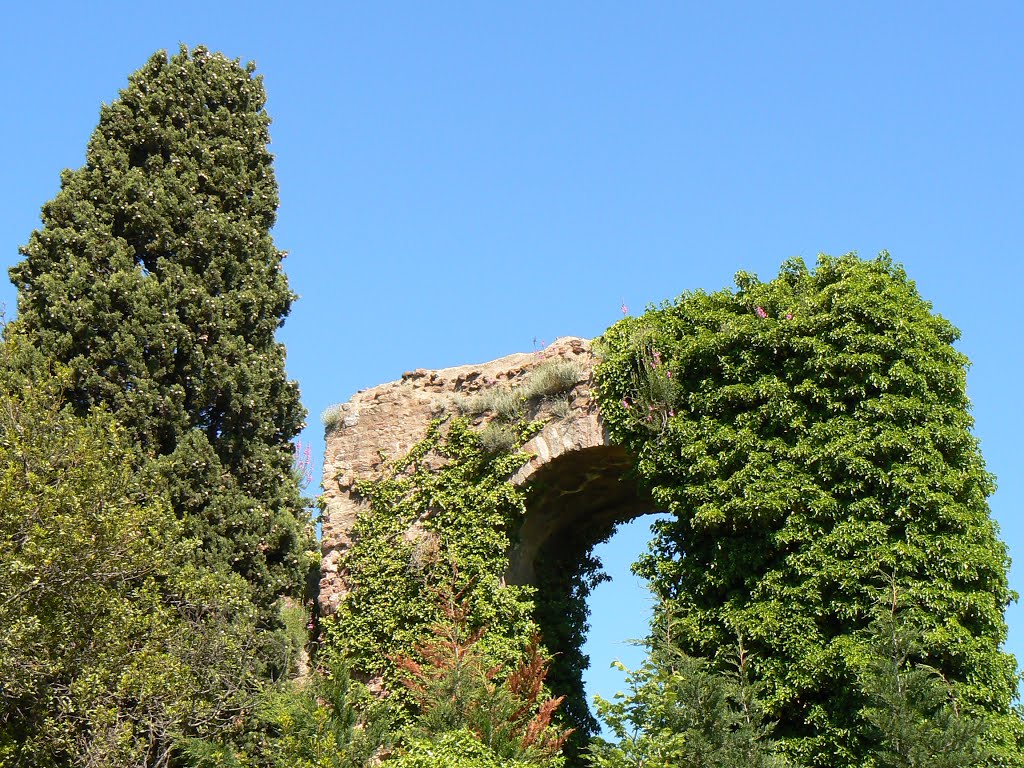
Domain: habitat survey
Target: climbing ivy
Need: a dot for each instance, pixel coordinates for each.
(439, 524)
(811, 437)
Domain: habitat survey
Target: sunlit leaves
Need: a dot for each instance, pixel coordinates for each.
(819, 448)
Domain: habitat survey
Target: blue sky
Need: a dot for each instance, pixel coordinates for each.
(459, 179)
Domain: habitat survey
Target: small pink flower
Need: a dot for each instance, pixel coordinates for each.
(624, 309)
(671, 413)
(650, 407)
(669, 374)
(761, 313)
(789, 315)
(625, 403)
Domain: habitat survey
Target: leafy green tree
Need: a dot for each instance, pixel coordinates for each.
(681, 713)
(915, 717)
(155, 279)
(325, 721)
(811, 437)
(114, 643)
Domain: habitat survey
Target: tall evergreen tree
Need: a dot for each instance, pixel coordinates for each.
(155, 278)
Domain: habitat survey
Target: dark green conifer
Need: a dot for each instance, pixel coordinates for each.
(155, 278)
(915, 719)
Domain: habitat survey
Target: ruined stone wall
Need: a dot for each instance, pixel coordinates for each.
(384, 422)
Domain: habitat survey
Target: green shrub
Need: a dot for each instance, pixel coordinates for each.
(559, 406)
(504, 402)
(545, 382)
(456, 749)
(332, 416)
(498, 438)
(554, 377)
(457, 688)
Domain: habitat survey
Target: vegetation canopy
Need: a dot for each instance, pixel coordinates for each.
(831, 587)
(154, 278)
(811, 437)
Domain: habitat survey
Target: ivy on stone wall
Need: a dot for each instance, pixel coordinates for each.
(811, 437)
(439, 522)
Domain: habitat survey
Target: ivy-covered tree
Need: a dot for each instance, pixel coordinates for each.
(155, 279)
(811, 437)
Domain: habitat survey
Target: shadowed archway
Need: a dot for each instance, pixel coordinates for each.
(574, 502)
(582, 493)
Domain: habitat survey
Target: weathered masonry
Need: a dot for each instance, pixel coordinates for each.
(573, 480)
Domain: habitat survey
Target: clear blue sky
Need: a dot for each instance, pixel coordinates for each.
(458, 179)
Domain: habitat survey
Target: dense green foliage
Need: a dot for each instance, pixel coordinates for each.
(811, 437)
(456, 500)
(113, 642)
(155, 279)
(326, 721)
(453, 749)
(455, 687)
(681, 712)
(913, 714)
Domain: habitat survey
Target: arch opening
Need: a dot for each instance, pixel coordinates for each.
(621, 610)
(574, 502)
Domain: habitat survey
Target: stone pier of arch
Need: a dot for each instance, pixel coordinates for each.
(574, 478)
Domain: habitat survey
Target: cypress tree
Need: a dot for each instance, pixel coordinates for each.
(154, 277)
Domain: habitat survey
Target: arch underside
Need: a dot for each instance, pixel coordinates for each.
(574, 502)
(587, 492)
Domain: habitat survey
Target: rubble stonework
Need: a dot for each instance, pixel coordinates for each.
(385, 422)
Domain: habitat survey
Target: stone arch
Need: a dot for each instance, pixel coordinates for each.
(576, 484)
(574, 479)
(821, 469)
(581, 489)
